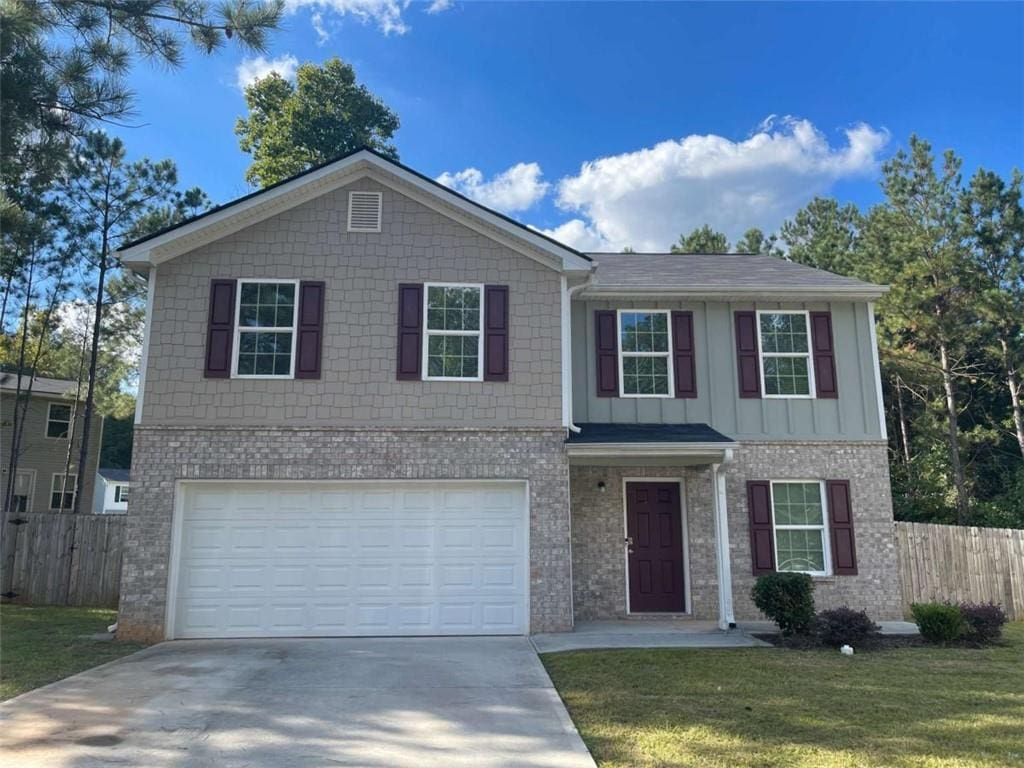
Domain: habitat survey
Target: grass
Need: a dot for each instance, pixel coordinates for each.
(41, 644)
(924, 707)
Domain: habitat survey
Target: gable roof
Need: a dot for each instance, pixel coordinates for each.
(710, 274)
(40, 385)
(230, 217)
(114, 475)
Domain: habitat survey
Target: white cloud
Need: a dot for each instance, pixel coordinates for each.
(322, 35)
(386, 14)
(515, 189)
(645, 199)
(251, 70)
(439, 6)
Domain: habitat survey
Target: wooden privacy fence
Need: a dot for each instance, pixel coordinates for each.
(962, 564)
(57, 558)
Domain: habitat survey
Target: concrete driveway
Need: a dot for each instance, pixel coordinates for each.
(449, 702)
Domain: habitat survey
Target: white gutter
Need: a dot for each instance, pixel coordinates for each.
(878, 372)
(567, 294)
(650, 449)
(726, 615)
(851, 293)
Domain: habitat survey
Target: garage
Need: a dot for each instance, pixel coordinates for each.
(305, 559)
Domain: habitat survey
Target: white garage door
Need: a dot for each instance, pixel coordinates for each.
(308, 559)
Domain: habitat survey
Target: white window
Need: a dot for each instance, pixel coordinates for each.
(799, 517)
(120, 494)
(786, 369)
(265, 329)
(453, 315)
(59, 488)
(645, 341)
(58, 420)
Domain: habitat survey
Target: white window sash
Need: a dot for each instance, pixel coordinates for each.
(49, 419)
(427, 333)
(806, 355)
(293, 329)
(667, 355)
(57, 486)
(826, 552)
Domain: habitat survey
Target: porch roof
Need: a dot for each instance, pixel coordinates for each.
(695, 443)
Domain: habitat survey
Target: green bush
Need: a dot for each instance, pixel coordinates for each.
(984, 622)
(844, 626)
(939, 622)
(787, 599)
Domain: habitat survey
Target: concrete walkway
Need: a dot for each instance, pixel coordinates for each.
(451, 702)
(644, 633)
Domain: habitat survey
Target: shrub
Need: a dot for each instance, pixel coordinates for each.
(845, 626)
(787, 599)
(984, 622)
(939, 622)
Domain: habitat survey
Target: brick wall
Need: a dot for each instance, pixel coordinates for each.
(164, 455)
(599, 580)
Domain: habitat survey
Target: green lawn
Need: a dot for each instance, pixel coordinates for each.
(41, 644)
(769, 707)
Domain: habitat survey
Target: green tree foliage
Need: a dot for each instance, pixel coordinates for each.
(702, 240)
(326, 113)
(950, 329)
(756, 241)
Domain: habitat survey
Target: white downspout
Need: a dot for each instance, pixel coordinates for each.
(726, 617)
(567, 294)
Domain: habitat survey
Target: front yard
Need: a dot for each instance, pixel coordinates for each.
(923, 707)
(39, 645)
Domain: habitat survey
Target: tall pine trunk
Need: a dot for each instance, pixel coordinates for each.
(904, 432)
(90, 391)
(953, 436)
(1013, 384)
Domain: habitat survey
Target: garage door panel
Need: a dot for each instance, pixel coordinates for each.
(348, 559)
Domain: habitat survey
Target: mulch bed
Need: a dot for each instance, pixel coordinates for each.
(882, 643)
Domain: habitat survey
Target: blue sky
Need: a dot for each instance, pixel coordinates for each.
(671, 103)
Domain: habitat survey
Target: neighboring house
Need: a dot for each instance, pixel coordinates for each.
(40, 484)
(370, 406)
(111, 496)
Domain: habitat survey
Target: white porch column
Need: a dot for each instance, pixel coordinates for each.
(726, 619)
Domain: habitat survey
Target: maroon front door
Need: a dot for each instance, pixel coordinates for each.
(655, 545)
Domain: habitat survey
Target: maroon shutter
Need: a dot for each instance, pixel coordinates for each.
(683, 354)
(496, 333)
(824, 355)
(762, 540)
(410, 331)
(607, 338)
(310, 329)
(840, 517)
(746, 354)
(220, 329)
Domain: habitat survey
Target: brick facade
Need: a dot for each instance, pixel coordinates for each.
(599, 580)
(164, 455)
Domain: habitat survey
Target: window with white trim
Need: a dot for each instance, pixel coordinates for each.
(120, 494)
(454, 339)
(645, 341)
(58, 420)
(799, 517)
(59, 488)
(785, 344)
(265, 328)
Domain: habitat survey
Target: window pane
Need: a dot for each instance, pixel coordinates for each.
(783, 333)
(645, 375)
(797, 504)
(267, 305)
(786, 376)
(452, 356)
(453, 309)
(644, 332)
(60, 412)
(263, 353)
(800, 550)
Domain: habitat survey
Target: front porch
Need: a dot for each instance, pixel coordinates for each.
(650, 537)
(648, 633)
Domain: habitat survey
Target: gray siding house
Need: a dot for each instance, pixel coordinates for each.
(39, 484)
(370, 406)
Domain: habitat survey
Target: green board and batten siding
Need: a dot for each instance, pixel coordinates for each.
(853, 416)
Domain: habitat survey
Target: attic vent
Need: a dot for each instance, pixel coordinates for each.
(364, 211)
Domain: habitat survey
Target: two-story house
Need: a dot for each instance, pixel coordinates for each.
(52, 419)
(371, 406)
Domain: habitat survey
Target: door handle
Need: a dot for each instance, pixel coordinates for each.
(629, 545)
